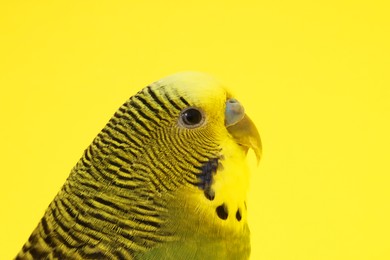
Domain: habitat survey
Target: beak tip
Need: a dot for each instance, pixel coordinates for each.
(258, 150)
(258, 156)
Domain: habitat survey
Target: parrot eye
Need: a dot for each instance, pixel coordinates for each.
(191, 117)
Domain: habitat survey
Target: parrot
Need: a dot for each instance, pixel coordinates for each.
(166, 178)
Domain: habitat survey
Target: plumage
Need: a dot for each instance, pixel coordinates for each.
(166, 178)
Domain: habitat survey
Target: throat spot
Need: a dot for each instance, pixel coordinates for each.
(206, 177)
(205, 182)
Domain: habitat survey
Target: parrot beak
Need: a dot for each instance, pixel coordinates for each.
(241, 127)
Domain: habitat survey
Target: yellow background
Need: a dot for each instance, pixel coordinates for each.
(314, 76)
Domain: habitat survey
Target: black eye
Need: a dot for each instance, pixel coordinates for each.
(191, 117)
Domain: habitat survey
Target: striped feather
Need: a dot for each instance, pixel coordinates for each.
(112, 204)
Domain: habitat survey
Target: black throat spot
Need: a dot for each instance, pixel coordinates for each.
(209, 169)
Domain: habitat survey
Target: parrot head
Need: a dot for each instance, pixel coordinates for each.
(203, 137)
(210, 109)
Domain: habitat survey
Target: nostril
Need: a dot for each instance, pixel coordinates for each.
(222, 212)
(233, 100)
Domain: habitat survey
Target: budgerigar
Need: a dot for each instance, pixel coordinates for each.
(166, 178)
